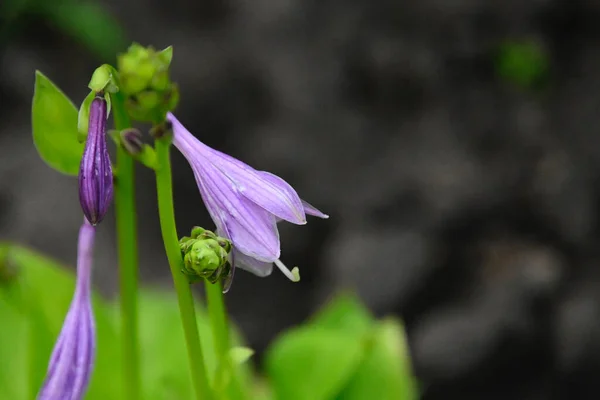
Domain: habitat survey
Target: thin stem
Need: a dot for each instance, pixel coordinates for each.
(128, 257)
(182, 286)
(222, 339)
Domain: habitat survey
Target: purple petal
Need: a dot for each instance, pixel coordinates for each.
(258, 268)
(264, 189)
(251, 229)
(72, 359)
(310, 210)
(95, 171)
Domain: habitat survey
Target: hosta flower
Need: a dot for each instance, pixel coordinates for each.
(72, 359)
(245, 204)
(95, 171)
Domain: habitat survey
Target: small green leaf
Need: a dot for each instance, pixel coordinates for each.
(312, 363)
(385, 372)
(54, 123)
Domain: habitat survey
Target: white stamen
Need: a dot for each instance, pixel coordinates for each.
(293, 275)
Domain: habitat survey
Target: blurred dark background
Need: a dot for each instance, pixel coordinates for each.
(453, 142)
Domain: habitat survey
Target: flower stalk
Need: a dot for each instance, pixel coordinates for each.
(126, 221)
(182, 287)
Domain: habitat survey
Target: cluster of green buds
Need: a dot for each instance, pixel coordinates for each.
(206, 256)
(144, 81)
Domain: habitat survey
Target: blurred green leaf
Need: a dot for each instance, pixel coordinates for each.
(385, 372)
(523, 63)
(165, 373)
(90, 24)
(312, 363)
(13, 363)
(345, 312)
(54, 123)
(35, 293)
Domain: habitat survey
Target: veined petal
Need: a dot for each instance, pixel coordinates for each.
(72, 359)
(258, 268)
(95, 171)
(262, 188)
(251, 228)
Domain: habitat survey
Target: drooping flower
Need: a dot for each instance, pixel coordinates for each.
(72, 359)
(95, 171)
(245, 204)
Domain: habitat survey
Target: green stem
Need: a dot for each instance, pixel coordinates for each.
(128, 257)
(182, 286)
(218, 319)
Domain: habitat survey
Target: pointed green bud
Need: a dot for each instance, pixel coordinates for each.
(103, 80)
(166, 55)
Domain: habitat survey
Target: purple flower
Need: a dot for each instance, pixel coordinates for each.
(72, 359)
(95, 171)
(244, 203)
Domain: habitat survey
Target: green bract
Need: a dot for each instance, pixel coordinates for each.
(54, 123)
(83, 117)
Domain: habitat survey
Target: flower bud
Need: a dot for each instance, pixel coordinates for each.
(95, 171)
(144, 79)
(131, 139)
(205, 255)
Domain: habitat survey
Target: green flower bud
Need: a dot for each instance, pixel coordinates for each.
(144, 78)
(205, 255)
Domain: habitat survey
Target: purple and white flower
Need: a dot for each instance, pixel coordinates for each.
(245, 204)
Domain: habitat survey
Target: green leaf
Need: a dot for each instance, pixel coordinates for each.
(312, 363)
(54, 123)
(346, 313)
(385, 372)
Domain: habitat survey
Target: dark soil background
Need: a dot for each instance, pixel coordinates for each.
(463, 197)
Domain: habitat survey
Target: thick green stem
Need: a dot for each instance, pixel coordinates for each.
(182, 285)
(128, 257)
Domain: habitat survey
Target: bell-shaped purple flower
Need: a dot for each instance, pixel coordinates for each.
(72, 359)
(95, 171)
(245, 204)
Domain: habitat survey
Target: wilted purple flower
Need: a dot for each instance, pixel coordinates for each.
(72, 359)
(245, 204)
(95, 171)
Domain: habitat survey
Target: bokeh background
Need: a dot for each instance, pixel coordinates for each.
(453, 142)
